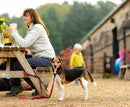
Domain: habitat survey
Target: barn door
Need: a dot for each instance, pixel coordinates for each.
(91, 54)
(115, 44)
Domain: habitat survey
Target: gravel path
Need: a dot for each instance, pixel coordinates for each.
(108, 93)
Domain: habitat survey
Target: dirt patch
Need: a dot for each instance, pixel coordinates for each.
(108, 93)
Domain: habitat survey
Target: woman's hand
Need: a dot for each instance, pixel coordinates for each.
(12, 27)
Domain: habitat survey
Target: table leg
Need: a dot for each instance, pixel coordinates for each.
(8, 64)
(21, 58)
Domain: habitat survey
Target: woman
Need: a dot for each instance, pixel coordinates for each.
(37, 42)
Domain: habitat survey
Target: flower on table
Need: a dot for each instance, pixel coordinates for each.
(3, 20)
(4, 27)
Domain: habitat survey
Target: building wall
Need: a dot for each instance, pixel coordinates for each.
(102, 38)
(128, 42)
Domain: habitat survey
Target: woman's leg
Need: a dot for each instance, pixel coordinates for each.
(4, 82)
(37, 62)
(15, 83)
(15, 65)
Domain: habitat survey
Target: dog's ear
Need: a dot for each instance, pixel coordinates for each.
(60, 59)
(51, 59)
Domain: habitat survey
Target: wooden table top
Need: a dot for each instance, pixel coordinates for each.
(15, 48)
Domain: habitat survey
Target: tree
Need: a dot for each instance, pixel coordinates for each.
(53, 24)
(81, 18)
(79, 21)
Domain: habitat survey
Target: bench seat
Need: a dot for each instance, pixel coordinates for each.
(124, 72)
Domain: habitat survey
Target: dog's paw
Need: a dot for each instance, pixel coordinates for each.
(85, 98)
(60, 99)
(95, 84)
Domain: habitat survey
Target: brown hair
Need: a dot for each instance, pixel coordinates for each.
(35, 17)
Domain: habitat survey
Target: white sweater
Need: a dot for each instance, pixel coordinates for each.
(36, 41)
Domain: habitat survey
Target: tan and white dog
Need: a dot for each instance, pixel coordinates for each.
(64, 76)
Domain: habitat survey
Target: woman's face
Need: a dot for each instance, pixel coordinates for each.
(27, 19)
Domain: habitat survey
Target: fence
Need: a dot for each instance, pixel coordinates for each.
(93, 64)
(100, 64)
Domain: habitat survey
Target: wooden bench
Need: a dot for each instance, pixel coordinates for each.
(43, 72)
(124, 72)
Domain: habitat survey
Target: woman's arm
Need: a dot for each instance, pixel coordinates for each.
(30, 38)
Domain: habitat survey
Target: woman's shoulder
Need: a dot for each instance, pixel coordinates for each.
(38, 25)
(39, 28)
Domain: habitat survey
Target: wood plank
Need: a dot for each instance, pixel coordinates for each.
(28, 69)
(13, 48)
(127, 74)
(125, 66)
(8, 64)
(46, 69)
(8, 54)
(45, 76)
(11, 74)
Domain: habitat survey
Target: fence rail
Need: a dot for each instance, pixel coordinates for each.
(99, 64)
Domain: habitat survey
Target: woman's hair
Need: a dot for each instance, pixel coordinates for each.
(77, 46)
(35, 17)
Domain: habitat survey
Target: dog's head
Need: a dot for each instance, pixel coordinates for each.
(56, 63)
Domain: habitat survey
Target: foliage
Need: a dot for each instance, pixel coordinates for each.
(107, 75)
(81, 18)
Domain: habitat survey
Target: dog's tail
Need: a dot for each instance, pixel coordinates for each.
(91, 79)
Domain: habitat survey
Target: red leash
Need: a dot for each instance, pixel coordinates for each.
(36, 76)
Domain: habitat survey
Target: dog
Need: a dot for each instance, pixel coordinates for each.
(65, 76)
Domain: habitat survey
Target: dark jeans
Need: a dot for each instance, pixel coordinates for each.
(34, 62)
(4, 82)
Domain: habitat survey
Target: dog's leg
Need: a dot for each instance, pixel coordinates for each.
(84, 85)
(60, 87)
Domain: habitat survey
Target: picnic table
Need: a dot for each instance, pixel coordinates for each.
(8, 52)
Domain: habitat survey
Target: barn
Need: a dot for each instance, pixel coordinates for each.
(102, 45)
